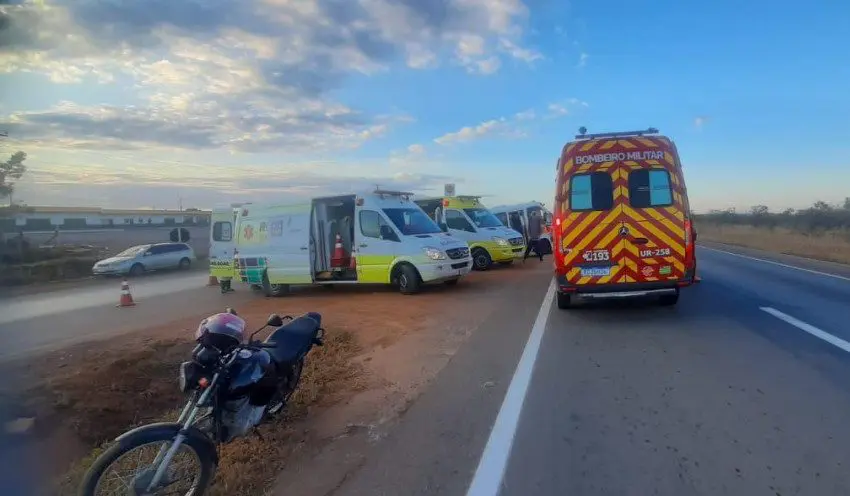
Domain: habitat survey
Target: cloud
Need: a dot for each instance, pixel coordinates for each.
(700, 121)
(471, 133)
(250, 76)
(582, 60)
(416, 149)
(525, 115)
(138, 185)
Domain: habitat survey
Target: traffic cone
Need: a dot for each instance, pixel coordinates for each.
(213, 281)
(339, 253)
(126, 298)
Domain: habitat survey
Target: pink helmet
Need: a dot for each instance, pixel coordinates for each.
(222, 330)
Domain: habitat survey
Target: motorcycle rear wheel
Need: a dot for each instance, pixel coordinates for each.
(201, 450)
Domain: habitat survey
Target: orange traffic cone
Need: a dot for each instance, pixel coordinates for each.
(213, 281)
(126, 298)
(339, 253)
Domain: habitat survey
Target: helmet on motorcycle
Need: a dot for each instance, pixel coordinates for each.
(222, 330)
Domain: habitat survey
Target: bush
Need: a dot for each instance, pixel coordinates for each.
(816, 220)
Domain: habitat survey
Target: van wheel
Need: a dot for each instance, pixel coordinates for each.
(564, 301)
(481, 259)
(408, 280)
(669, 300)
(273, 290)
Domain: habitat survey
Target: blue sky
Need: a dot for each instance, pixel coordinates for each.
(146, 103)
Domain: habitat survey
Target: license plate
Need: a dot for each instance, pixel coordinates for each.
(595, 271)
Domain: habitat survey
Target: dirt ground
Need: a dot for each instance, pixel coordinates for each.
(382, 349)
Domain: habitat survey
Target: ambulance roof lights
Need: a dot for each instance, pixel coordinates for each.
(584, 136)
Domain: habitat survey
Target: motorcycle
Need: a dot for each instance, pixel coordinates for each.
(232, 388)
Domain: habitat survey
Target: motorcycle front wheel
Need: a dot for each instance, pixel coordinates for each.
(141, 449)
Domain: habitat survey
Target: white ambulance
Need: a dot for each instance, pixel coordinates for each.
(381, 237)
(516, 217)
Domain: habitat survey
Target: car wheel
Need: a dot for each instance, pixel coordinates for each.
(481, 259)
(408, 280)
(136, 270)
(185, 263)
(564, 301)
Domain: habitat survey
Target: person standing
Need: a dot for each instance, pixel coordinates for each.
(535, 230)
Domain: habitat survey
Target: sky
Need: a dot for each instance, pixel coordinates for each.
(162, 103)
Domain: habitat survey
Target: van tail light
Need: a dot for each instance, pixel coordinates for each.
(689, 245)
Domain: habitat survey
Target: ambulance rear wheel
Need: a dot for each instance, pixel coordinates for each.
(481, 259)
(669, 300)
(407, 279)
(273, 290)
(564, 301)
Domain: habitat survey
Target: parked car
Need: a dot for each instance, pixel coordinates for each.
(139, 259)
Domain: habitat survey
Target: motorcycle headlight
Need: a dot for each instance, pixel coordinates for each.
(500, 241)
(189, 376)
(434, 253)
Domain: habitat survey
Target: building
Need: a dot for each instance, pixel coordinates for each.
(50, 219)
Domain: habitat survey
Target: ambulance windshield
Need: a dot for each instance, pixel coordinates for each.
(412, 221)
(482, 217)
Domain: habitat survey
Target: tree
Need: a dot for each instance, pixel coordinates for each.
(847, 203)
(13, 168)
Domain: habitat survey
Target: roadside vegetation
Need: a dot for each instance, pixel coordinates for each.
(821, 231)
(102, 393)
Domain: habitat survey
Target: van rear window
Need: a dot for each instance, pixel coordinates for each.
(594, 191)
(650, 188)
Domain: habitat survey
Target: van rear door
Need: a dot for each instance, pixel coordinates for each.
(590, 230)
(655, 220)
(222, 241)
(290, 245)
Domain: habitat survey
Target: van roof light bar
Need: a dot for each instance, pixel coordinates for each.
(387, 192)
(584, 136)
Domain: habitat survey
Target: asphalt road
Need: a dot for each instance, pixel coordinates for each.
(45, 321)
(741, 389)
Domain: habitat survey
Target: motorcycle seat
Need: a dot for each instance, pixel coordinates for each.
(294, 339)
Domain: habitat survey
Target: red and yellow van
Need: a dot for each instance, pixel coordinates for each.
(622, 220)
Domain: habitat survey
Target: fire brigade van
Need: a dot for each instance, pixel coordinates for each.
(381, 237)
(517, 217)
(622, 220)
(465, 217)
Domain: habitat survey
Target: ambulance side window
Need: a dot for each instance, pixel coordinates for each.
(456, 220)
(371, 225)
(593, 191)
(650, 188)
(222, 231)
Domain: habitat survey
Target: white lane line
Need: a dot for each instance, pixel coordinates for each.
(814, 331)
(494, 459)
(810, 271)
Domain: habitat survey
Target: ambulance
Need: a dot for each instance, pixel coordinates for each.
(622, 219)
(381, 237)
(222, 240)
(517, 217)
(465, 217)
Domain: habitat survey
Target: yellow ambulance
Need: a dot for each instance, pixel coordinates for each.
(468, 219)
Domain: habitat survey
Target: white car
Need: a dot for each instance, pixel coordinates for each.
(137, 260)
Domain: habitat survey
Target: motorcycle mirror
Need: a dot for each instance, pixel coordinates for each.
(230, 311)
(274, 320)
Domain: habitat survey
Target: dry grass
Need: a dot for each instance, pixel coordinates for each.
(832, 246)
(87, 400)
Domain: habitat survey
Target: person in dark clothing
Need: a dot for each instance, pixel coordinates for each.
(535, 229)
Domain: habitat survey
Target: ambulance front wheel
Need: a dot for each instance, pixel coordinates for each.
(407, 279)
(481, 259)
(564, 301)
